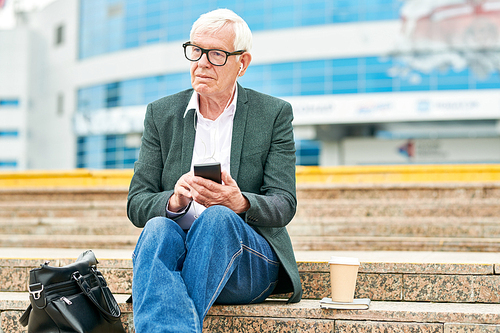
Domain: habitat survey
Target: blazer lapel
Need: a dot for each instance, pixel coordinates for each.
(188, 141)
(239, 125)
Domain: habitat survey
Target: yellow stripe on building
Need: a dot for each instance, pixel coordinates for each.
(319, 175)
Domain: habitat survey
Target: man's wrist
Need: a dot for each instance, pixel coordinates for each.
(245, 205)
(174, 206)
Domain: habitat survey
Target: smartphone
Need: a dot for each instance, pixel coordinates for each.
(209, 171)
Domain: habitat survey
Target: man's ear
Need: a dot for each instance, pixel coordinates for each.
(245, 60)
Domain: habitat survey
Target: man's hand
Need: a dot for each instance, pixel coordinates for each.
(209, 193)
(182, 193)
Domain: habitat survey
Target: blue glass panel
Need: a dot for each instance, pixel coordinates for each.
(345, 77)
(312, 79)
(377, 75)
(279, 91)
(9, 102)
(282, 70)
(415, 82)
(490, 82)
(344, 91)
(312, 65)
(452, 86)
(351, 62)
(8, 164)
(488, 85)
(96, 20)
(452, 80)
(307, 152)
(376, 88)
(10, 133)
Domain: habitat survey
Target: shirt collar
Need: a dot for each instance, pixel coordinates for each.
(194, 103)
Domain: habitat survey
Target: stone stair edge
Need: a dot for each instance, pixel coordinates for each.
(484, 245)
(412, 202)
(483, 267)
(437, 239)
(396, 185)
(303, 266)
(300, 186)
(64, 189)
(11, 205)
(63, 220)
(419, 312)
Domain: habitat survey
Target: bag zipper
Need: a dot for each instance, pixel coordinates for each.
(66, 300)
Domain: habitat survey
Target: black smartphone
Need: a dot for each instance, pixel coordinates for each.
(209, 171)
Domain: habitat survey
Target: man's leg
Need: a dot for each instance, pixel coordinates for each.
(160, 299)
(227, 259)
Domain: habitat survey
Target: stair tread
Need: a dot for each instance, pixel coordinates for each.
(410, 257)
(310, 309)
(359, 238)
(398, 219)
(16, 205)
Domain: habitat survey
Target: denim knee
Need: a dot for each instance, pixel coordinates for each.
(217, 219)
(159, 226)
(159, 229)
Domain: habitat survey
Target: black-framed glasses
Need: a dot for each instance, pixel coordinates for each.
(215, 57)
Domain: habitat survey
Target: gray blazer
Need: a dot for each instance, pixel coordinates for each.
(262, 163)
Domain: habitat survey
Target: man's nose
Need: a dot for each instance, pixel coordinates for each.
(204, 60)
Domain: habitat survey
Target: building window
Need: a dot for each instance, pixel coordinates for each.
(59, 35)
(307, 152)
(4, 164)
(108, 151)
(6, 103)
(113, 95)
(9, 134)
(60, 104)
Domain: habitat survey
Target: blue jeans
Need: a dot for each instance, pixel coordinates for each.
(179, 275)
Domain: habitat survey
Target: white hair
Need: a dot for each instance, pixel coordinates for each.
(218, 19)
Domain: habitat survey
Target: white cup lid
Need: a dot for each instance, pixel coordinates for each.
(344, 261)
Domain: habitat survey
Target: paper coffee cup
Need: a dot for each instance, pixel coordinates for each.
(343, 275)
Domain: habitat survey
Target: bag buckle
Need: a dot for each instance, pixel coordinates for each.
(35, 293)
(76, 276)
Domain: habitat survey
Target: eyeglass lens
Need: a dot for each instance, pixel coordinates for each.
(216, 57)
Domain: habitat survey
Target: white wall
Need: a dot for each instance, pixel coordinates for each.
(378, 151)
(14, 59)
(52, 68)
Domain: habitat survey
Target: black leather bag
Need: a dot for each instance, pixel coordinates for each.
(73, 298)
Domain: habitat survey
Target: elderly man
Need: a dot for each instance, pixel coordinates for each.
(206, 242)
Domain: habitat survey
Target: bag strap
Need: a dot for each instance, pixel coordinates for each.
(86, 289)
(26, 316)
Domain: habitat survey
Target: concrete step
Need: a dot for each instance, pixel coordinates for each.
(63, 209)
(69, 241)
(307, 316)
(68, 226)
(401, 190)
(56, 194)
(444, 217)
(384, 276)
(403, 243)
(488, 227)
(308, 208)
(444, 292)
(305, 209)
(396, 226)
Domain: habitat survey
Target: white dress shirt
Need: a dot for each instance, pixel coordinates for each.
(212, 144)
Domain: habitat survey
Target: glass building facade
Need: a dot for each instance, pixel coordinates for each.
(114, 25)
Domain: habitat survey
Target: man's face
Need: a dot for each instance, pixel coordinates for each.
(214, 81)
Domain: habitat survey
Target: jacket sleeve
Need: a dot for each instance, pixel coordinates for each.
(276, 203)
(146, 198)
